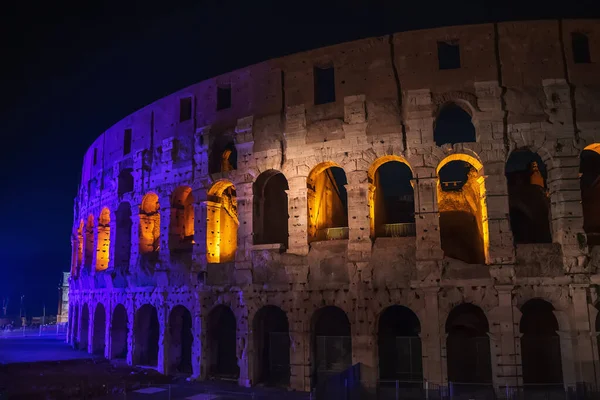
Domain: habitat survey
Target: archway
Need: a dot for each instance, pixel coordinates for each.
(463, 209)
(453, 125)
(85, 326)
(468, 348)
(540, 344)
(99, 337)
(270, 218)
(88, 255)
(327, 203)
(123, 237)
(103, 249)
(589, 172)
(221, 223)
(272, 346)
(77, 250)
(149, 226)
(75, 326)
(181, 229)
(391, 198)
(118, 332)
(147, 332)
(529, 205)
(180, 351)
(331, 343)
(222, 344)
(223, 155)
(399, 345)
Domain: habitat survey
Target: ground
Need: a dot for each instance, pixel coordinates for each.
(47, 368)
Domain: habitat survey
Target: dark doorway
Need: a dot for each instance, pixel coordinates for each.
(99, 342)
(180, 352)
(270, 208)
(85, 326)
(393, 200)
(453, 125)
(147, 332)
(272, 346)
(123, 237)
(222, 343)
(119, 332)
(540, 344)
(331, 343)
(399, 345)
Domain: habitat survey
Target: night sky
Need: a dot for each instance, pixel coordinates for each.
(72, 69)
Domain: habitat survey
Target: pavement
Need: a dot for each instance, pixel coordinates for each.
(16, 349)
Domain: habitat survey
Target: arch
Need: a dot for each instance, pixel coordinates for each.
(221, 222)
(540, 344)
(391, 197)
(327, 202)
(222, 344)
(453, 125)
(461, 194)
(79, 249)
(181, 229)
(589, 172)
(331, 343)
(270, 217)
(223, 155)
(99, 338)
(149, 225)
(125, 182)
(123, 237)
(272, 346)
(103, 247)
(88, 248)
(468, 345)
(180, 352)
(529, 204)
(119, 332)
(147, 332)
(85, 327)
(399, 345)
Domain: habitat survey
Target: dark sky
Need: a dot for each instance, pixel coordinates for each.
(72, 69)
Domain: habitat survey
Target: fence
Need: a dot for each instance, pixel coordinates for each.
(54, 330)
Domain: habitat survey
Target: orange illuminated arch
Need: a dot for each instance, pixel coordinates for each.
(593, 147)
(181, 229)
(221, 222)
(475, 163)
(318, 169)
(384, 159)
(219, 187)
(103, 246)
(149, 224)
(88, 247)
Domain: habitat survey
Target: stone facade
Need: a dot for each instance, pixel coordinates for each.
(162, 195)
(63, 301)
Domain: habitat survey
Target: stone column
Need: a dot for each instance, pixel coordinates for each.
(74, 251)
(432, 339)
(584, 346)
(90, 339)
(164, 253)
(300, 367)
(112, 241)
(298, 212)
(244, 352)
(198, 372)
(567, 353)
(135, 236)
(505, 341)
(364, 345)
(359, 243)
(108, 309)
(164, 338)
(130, 306)
(200, 224)
(243, 256)
(212, 231)
(96, 248)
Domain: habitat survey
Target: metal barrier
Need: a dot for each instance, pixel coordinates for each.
(54, 330)
(400, 230)
(338, 233)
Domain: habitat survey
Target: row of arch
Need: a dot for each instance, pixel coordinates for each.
(461, 196)
(468, 354)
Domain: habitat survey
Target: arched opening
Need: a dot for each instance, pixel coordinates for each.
(123, 237)
(75, 326)
(468, 348)
(85, 327)
(125, 182)
(223, 157)
(78, 250)
(147, 332)
(88, 256)
(103, 249)
(463, 210)
(270, 217)
(589, 172)
(540, 344)
(331, 343)
(453, 125)
(528, 201)
(119, 332)
(149, 226)
(391, 198)
(327, 203)
(221, 223)
(399, 345)
(180, 352)
(222, 358)
(181, 229)
(272, 346)
(99, 341)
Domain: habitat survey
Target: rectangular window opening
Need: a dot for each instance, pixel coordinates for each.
(185, 109)
(448, 55)
(127, 142)
(223, 97)
(581, 48)
(324, 79)
(95, 161)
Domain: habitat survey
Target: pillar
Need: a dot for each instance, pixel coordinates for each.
(300, 368)
(433, 339)
(164, 338)
(567, 354)
(112, 241)
(199, 250)
(212, 231)
(298, 212)
(243, 256)
(198, 372)
(130, 306)
(359, 225)
(90, 336)
(135, 236)
(364, 345)
(584, 347)
(108, 309)
(164, 253)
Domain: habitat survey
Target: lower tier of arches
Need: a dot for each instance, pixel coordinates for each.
(485, 337)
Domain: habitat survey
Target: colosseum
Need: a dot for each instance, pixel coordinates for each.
(421, 204)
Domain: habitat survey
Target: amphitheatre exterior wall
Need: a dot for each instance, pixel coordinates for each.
(522, 89)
